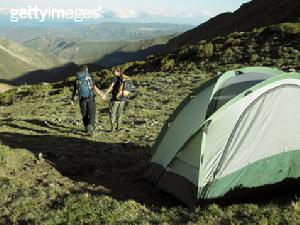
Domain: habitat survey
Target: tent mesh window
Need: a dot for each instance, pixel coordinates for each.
(233, 87)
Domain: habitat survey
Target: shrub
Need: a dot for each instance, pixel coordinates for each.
(104, 78)
(237, 35)
(228, 55)
(290, 28)
(208, 49)
(8, 97)
(254, 57)
(167, 63)
(229, 42)
(39, 90)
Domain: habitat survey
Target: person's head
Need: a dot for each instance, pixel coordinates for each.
(118, 72)
(83, 68)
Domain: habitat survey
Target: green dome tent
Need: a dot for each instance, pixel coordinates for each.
(238, 130)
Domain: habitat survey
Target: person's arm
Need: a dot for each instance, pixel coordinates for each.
(74, 93)
(99, 92)
(109, 89)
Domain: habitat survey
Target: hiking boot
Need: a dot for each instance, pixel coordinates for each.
(118, 128)
(113, 129)
(90, 130)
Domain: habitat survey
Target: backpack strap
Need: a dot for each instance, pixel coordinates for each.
(122, 90)
(89, 82)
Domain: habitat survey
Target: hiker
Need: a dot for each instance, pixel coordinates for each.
(120, 88)
(85, 89)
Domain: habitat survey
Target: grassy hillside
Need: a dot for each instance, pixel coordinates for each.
(254, 14)
(51, 173)
(17, 60)
(277, 45)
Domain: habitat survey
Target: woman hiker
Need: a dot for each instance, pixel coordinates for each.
(121, 87)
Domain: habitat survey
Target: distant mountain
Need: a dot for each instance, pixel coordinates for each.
(254, 14)
(102, 32)
(44, 58)
(102, 53)
(61, 47)
(17, 60)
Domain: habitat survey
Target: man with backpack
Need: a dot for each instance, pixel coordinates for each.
(85, 89)
(120, 88)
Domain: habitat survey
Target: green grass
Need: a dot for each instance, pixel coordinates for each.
(51, 173)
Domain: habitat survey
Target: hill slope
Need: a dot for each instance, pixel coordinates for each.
(102, 53)
(101, 32)
(17, 60)
(277, 45)
(254, 14)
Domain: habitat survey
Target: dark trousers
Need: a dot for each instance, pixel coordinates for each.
(88, 111)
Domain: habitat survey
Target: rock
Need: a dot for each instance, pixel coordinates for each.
(41, 157)
(44, 174)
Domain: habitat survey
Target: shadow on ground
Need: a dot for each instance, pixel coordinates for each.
(51, 75)
(117, 167)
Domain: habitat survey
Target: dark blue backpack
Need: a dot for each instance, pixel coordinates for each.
(84, 85)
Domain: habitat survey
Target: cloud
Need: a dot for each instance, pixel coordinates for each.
(183, 14)
(121, 14)
(133, 14)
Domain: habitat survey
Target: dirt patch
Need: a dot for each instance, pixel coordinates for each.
(4, 88)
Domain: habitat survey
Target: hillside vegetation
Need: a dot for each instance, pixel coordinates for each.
(51, 173)
(277, 45)
(16, 60)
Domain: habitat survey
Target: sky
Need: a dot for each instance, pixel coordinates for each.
(172, 11)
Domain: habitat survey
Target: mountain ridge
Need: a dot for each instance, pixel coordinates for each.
(102, 53)
(254, 14)
(100, 32)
